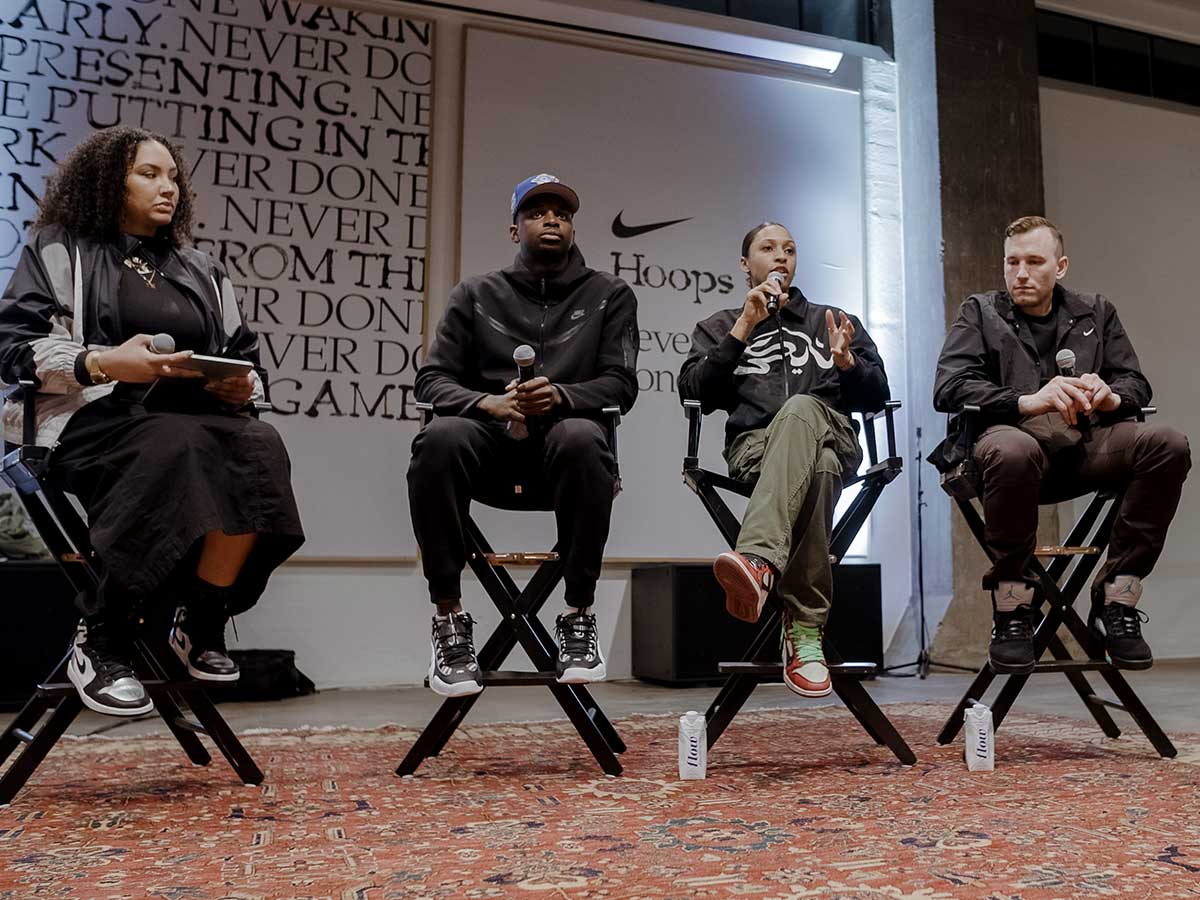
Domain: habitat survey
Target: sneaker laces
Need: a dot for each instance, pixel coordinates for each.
(577, 634)
(1121, 621)
(108, 654)
(1012, 626)
(453, 636)
(805, 641)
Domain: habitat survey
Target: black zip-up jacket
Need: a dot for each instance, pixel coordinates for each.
(582, 324)
(61, 302)
(990, 359)
(786, 356)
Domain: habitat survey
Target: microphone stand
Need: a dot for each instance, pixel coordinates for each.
(924, 660)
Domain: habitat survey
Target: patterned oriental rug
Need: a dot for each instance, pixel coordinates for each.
(798, 804)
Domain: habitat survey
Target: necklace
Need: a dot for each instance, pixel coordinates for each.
(147, 272)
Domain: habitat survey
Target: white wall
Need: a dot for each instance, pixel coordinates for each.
(1123, 184)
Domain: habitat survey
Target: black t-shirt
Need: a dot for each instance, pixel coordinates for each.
(150, 304)
(1044, 330)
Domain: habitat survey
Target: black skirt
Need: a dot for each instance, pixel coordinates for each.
(154, 480)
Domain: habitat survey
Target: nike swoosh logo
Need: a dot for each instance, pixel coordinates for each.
(1089, 331)
(621, 230)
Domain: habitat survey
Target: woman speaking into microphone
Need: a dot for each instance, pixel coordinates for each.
(188, 495)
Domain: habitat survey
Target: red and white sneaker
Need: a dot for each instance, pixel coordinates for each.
(804, 669)
(747, 581)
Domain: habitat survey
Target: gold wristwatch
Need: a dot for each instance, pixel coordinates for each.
(92, 363)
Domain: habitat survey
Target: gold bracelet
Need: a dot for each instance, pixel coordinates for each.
(92, 363)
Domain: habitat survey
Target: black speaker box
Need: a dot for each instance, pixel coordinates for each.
(39, 621)
(681, 630)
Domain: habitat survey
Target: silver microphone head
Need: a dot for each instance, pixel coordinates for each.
(779, 278)
(1065, 360)
(524, 355)
(162, 343)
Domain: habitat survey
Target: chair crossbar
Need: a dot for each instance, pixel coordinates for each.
(520, 559)
(1046, 550)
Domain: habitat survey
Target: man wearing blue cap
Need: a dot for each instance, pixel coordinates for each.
(582, 325)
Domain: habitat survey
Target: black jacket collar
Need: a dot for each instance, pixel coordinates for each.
(1069, 302)
(551, 288)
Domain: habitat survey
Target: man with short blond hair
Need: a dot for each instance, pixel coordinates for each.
(1050, 436)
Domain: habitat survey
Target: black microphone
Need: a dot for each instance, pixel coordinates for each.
(1065, 360)
(160, 343)
(525, 357)
(772, 301)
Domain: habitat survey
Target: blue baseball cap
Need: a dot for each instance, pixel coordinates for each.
(535, 186)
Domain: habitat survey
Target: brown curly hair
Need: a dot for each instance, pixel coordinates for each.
(87, 193)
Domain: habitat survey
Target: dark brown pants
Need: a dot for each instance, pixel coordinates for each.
(1150, 461)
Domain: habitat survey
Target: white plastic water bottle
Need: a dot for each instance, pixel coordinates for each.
(980, 738)
(693, 746)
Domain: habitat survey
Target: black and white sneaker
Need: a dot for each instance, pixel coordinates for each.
(453, 668)
(1123, 639)
(579, 657)
(199, 642)
(1011, 651)
(100, 670)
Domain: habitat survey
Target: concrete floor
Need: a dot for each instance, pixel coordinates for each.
(1169, 690)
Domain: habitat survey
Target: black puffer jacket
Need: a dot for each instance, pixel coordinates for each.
(582, 324)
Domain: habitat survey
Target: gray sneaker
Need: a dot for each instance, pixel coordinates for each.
(453, 668)
(100, 670)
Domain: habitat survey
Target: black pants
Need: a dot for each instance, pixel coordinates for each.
(456, 459)
(1149, 461)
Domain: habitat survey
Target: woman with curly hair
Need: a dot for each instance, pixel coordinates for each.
(188, 495)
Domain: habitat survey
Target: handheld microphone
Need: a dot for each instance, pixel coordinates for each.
(1065, 360)
(160, 343)
(525, 357)
(773, 302)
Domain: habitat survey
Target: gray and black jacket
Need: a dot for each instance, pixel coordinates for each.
(786, 355)
(61, 303)
(581, 323)
(990, 359)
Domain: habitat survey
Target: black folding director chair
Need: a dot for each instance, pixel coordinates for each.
(761, 661)
(520, 625)
(165, 678)
(1068, 573)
